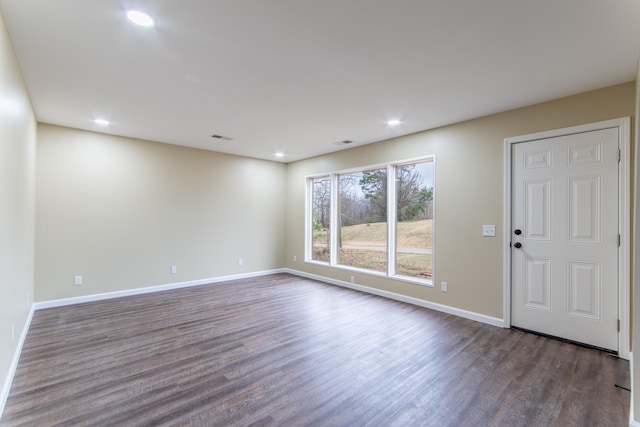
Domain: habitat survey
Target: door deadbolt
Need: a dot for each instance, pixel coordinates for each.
(517, 232)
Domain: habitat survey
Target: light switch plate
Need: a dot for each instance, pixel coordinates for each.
(489, 230)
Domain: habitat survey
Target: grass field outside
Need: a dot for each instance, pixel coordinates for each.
(365, 246)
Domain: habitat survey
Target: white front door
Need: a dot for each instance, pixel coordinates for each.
(565, 240)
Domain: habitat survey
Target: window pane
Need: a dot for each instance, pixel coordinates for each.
(363, 220)
(320, 217)
(414, 204)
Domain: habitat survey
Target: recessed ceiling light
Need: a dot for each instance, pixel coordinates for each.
(279, 155)
(101, 122)
(140, 18)
(394, 122)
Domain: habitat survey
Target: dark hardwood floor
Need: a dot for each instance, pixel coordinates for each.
(285, 351)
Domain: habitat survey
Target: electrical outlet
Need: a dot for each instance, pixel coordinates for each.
(295, 258)
(444, 286)
(174, 269)
(353, 279)
(240, 262)
(77, 280)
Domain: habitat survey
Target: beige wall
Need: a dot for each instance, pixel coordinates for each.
(469, 193)
(17, 192)
(121, 211)
(635, 360)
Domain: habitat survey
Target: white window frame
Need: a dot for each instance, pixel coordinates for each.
(391, 272)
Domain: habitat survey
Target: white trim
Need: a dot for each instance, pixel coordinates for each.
(506, 233)
(372, 166)
(397, 277)
(632, 421)
(624, 178)
(334, 228)
(392, 220)
(434, 202)
(334, 223)
(493, 321)
(624, 252)
(150, 289)
(6, 387)
(308, 220)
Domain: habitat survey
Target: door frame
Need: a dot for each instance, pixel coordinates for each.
(624, 219)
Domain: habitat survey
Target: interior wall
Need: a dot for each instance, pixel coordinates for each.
(17, 195)
(121, 211)
(635, 357)
(468, 193)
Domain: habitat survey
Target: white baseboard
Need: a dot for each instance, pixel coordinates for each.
(6, 387)
(493, 321)
(150, 289)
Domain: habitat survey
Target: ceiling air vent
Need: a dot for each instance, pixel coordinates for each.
(345, 142)
(225, 138)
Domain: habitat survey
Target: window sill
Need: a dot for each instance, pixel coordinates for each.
(405, 279)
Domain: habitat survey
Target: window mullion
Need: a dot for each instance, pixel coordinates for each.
(335, 225)
(308, 235)
(391, 220)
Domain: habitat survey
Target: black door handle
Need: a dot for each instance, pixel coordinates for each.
(517, 245)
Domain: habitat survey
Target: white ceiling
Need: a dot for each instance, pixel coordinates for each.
(299, 76)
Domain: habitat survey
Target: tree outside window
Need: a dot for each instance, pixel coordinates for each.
(364, 209)
(363, 220)
(414, 226)
(321, 218)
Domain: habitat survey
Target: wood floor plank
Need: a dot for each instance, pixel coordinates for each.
(285, 351)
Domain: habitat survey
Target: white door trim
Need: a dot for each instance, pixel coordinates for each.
(624, 177)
